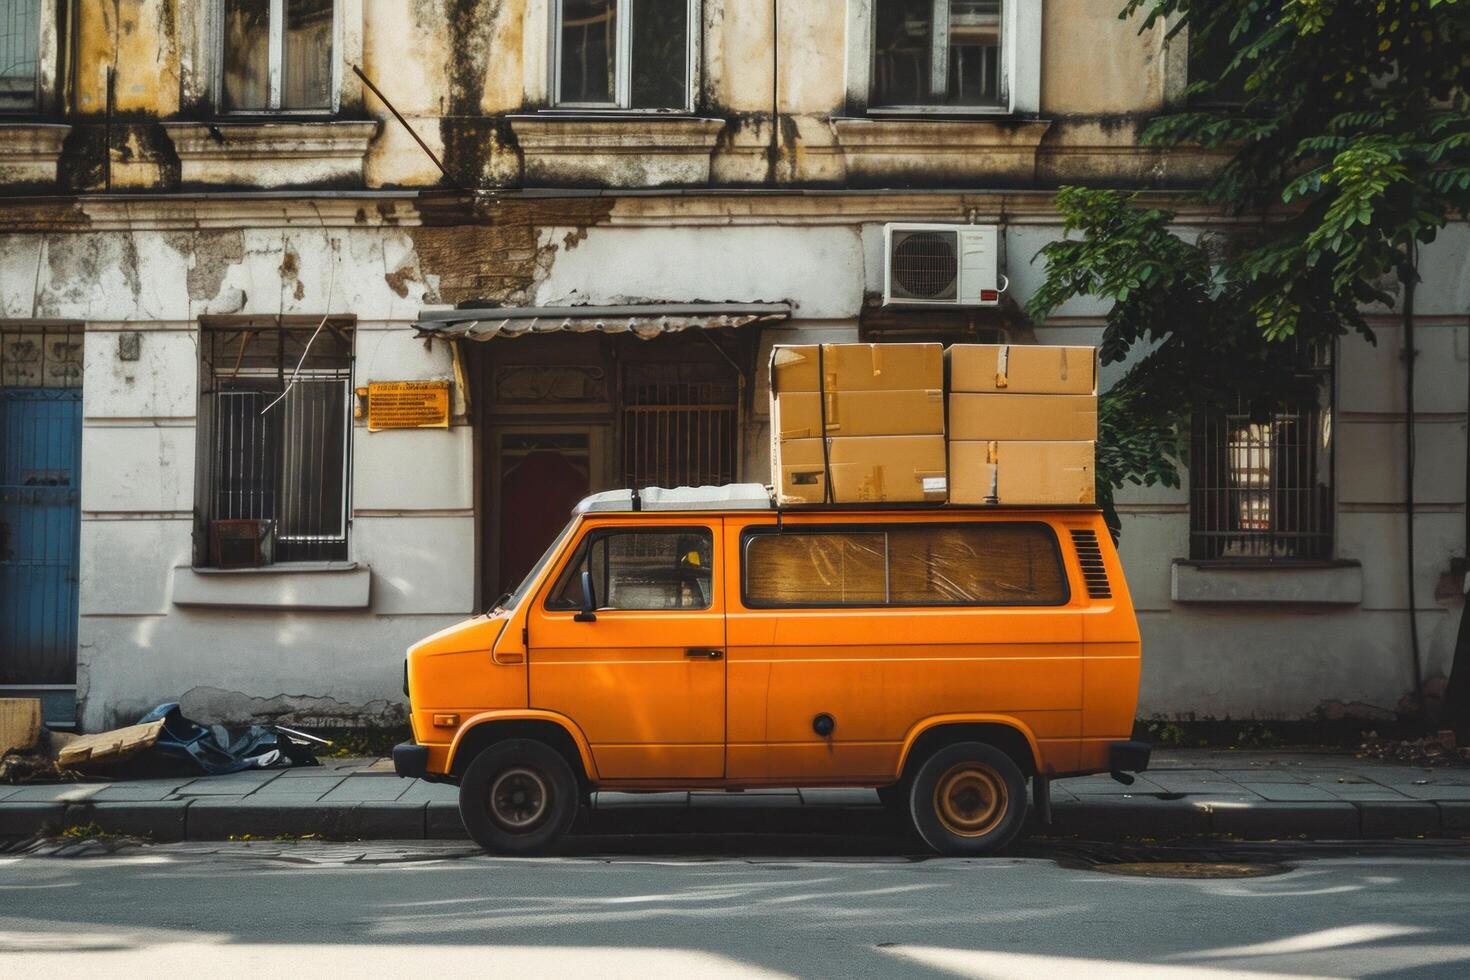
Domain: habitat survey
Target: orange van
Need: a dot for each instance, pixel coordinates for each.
(703, 639)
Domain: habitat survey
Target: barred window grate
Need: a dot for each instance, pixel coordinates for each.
(1261, 483)
(275, 454)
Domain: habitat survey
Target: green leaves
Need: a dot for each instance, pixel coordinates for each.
(1347, 124)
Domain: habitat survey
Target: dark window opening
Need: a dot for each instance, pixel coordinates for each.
(937, 53)
(1261, 481)
(277, 55)
(625, 54)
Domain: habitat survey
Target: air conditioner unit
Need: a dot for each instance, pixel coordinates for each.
(941, 265)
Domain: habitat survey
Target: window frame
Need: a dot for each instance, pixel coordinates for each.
(1327, 406)
(206, 446)
(594, 534)
(623, 82)
(277, 54)
(1020, 68)
(46, 96)
(751, 533)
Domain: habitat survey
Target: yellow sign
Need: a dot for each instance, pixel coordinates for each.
(407, 405)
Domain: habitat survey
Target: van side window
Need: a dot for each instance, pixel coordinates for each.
(912, 565)
(640, 569)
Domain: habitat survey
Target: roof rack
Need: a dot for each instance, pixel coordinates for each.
(754, 496)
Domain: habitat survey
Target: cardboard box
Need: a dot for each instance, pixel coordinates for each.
(857, 367)
(975, 417)
(1022, 369)
(1009, 473)
(863, 469)
(799, 414)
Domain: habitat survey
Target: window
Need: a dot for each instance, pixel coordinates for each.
(938, 53)
(277, 55)
(927, 565)
(274, 441)
(20, 38)
(1261, 481)
(624, 54)
(641, 569)
(1209, 61)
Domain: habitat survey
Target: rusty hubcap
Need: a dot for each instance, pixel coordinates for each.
(971, 799)
(518, 798)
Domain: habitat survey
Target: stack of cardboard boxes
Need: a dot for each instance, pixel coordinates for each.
(1022, 424)
(858, 423)
(866, 423)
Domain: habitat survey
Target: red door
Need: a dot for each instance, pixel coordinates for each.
(541, 480)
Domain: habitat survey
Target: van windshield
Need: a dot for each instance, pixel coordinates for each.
(513, 599)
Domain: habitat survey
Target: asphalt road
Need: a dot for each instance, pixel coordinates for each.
(754, 908)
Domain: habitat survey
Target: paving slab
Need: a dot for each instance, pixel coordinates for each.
(1290, 792)
(313, 789)
(422, 791)
(56, 793)
(359, 790)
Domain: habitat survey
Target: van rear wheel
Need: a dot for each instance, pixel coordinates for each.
(518, 797)
(968, 799)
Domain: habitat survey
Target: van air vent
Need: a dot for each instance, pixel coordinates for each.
(1089, 555)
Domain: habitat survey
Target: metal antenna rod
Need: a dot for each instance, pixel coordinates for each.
(404, 122)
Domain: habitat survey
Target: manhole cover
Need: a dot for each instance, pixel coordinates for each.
(1191, 869)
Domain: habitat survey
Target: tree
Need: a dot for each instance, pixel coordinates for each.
(1349, 139)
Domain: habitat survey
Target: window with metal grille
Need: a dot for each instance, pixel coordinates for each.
(678, 429)
(275, 428)
(1261, 481)
(20, 38)
(937, 53)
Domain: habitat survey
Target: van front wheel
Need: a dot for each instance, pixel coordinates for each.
(968, 799)
(518, 797)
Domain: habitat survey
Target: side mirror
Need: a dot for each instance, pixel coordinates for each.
(589, 601)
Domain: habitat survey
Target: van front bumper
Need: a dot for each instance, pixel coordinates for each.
(411, 761)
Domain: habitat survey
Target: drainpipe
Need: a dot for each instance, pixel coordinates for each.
(773, 152)
(1457, 691)
(1410, 354)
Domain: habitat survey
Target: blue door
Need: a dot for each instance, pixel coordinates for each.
(40, 469)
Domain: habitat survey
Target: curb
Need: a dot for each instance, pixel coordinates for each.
(1098, 818)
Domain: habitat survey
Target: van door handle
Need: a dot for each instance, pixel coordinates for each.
(704, 653)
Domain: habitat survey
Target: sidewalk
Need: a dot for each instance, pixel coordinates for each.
(1187, 793)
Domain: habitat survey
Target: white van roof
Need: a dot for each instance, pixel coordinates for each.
(733, 496)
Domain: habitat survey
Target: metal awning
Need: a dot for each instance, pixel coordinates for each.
(644, 321)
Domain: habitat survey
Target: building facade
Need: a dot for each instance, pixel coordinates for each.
(224, 220)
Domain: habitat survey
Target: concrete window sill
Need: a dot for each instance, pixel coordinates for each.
(326, 585)
(29, 151)
(1337, 583)
(616, 150)
(271, 152)
(887, 147)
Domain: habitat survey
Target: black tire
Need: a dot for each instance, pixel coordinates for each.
(518, 797)
(968, 799)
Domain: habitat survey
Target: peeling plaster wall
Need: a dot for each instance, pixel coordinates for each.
(156, 268)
